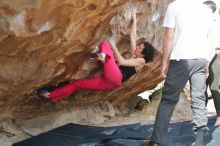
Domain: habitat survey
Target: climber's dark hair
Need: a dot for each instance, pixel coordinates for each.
(211, 5)
(149, 52)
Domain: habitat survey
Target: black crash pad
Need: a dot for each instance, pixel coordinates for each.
(179, 134)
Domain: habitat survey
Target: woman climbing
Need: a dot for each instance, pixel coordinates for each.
(113, 73)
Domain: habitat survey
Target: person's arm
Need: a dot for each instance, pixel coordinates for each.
(167, 47)
(134, 62)
(133, 33)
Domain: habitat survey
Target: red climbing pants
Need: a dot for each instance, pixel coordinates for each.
(110, 79)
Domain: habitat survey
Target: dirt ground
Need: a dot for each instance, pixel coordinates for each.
(182, 112)
(11, 131)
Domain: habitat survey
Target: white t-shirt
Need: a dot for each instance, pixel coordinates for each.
(191, 20)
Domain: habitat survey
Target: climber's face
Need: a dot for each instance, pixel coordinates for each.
(138, 51)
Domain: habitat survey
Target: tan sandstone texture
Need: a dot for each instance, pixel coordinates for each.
(46, 42)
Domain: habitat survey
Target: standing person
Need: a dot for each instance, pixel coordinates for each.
(213, 82)
(113, 74)
(186, 55)
(214, 69)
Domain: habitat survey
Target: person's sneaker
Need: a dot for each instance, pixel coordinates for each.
(43, 94)
(150, 143)
(100, 57)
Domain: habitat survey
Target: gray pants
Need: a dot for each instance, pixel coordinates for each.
(178, 74)
(213, 81)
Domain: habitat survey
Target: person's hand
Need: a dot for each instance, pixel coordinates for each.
(133, 15)
(164, 69)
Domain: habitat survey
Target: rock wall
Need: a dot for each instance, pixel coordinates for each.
(47, 42)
